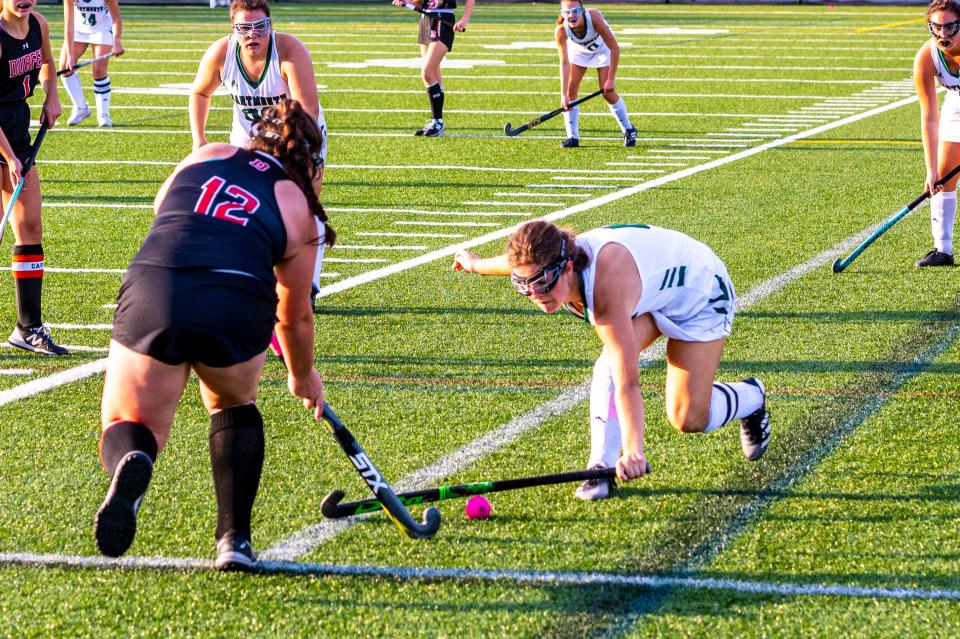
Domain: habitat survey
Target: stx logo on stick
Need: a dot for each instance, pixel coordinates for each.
(369, 472)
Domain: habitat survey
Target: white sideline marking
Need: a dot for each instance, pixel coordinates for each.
(466, 224)
(599, 186)
(431, 235)
(494, 169)
(49, 382)
(650, 171)
(338, 209)
(359, 247)
(121, 162)
(641, 157)
(55, 269)
(16, 371)
(83, 327)
(352, 260)
(484, 203)
(74, 205)
(574, 186)
(640, 580)
(513, 194)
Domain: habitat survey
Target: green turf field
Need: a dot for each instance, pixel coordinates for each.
(781, 136)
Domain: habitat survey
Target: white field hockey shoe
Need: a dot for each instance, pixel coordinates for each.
(79, 114)
(115, 524)
(235, 553)
(36, 339)
(594, 489)
(104, 120)
(755, 427)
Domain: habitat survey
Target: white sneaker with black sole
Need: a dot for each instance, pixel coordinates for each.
(755, 427)
(235, 553)
(594, 489)
(432, 129)
(104, 120)
(36, 339)
(115, 523)
(79, 114)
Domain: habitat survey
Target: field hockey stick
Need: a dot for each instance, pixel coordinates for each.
(333, 509)
(23, 177)
(381, 489)
(413, 7)
(546, 116)
(840, 265)
(83, 64)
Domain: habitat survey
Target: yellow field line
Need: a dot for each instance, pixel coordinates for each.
(891, 25)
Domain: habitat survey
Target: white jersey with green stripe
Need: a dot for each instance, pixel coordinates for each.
(947, 80)
(677, 272)
(251, 95)
(91, 16)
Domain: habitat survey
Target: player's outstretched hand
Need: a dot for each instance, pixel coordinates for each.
(631, 466)
(464, 261)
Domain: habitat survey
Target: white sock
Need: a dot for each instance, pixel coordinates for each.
(943, 210)
(318, 265)
(571, 120)
(72, 84)
(730, 401)
(619, 111)
(605, 440)
(101, 88)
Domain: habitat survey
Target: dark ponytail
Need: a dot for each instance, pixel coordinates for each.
(290, 134)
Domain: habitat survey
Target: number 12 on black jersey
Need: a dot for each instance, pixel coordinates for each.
(213, 190)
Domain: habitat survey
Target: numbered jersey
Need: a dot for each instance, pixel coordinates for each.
(590, 50)
(251, 95)
(678, 274)
(20, 62)
(91, 16)
(220, 215)
(947, 80)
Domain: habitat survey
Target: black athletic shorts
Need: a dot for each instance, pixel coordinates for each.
(15, 124)
(176, 316)
(440, 28)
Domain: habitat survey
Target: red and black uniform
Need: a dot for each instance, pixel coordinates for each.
(202, 286)
(440, 25)
(20, 62)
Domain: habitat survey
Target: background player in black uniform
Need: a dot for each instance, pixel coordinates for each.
(234, 235)
(436, 39)
(24, 57)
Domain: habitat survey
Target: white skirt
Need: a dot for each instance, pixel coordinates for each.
(95, 37)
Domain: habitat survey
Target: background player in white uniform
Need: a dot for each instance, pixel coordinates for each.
(258, 66)
(585, 41)
(939, 60)
(97, 23)
(633, 284)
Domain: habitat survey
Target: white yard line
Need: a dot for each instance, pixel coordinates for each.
(531, 577)
(430, 235)
(339, 209)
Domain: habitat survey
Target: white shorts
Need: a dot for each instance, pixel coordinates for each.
(950, 118)
(590, 60)
(96, 37)
(711, 319)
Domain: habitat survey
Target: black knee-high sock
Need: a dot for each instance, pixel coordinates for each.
(236, 454)
(122, 438)
(28, 283)
(435, 93)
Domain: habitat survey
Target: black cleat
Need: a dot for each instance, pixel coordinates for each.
(432, 129)
(36, 339)
(935, 258)
(630, 137)
(235, 553)
(570, 143)
(755, 427)
(115, 523)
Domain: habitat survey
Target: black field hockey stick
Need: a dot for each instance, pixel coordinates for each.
(840, 265)
(84, 64)
(23, 177)
(546, 116)
(333, 509)
(384, 494)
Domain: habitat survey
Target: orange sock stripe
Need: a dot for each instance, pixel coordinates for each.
(28, 258)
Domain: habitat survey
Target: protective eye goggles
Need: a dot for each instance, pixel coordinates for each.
(947, 30)
(543, 281)
(575, 12)
(250, 29)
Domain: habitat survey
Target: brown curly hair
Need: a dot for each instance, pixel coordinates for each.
(290, 134)
(943, 5)
(538, 243)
